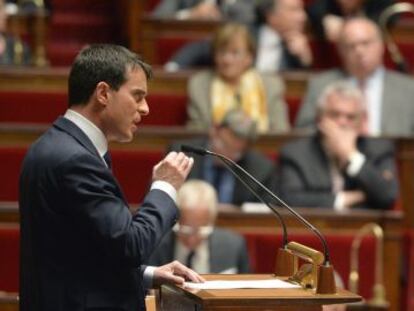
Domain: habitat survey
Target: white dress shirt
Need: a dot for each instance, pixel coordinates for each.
(200, 261)
(269, 52)
(373, 90)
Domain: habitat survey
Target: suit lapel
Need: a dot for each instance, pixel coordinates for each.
(214, 257)
(386, 103)
(73, 130)
(320, 171)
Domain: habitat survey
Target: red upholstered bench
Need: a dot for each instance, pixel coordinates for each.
(407, 300)
(45, 107)
(132, 168)
(263, 247)
(31, 107)
(9, 259)
(166, 110)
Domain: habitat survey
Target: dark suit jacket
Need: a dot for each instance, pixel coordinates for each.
(81, 247)
(305, 179)
(226, 250)
(253, 162)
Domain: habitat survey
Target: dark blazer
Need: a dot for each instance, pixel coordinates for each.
(81, 248)
(253, 162)
(305, 179)
(226, 250)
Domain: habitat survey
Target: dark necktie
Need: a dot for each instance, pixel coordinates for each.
(108, 159)
(189, 259)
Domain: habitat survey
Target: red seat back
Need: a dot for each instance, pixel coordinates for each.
(263, 248)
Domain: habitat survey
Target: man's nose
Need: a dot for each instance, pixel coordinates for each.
(143, 108)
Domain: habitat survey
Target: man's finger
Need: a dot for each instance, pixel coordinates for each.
(171, 156)
(188, 166)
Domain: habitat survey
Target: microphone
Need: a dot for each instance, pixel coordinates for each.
(240, 173)
(232, 166)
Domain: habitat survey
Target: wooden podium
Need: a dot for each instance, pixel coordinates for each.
(177, 298)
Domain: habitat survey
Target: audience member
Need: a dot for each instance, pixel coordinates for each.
(241, 11)
(234, 84)
(232, 138)
(336, 167)
(327, 16)
(281, 40)
(12, 50)
(195, 241)
(387, 93)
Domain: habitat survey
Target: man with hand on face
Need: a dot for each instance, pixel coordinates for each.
(387, 93)
(81, 248)
(337, 167)
(282, 43)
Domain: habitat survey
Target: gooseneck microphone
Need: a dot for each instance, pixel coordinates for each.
(232, 167)
(241, 174)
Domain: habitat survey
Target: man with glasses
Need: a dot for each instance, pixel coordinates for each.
(388, 94)
(232, 138)
(195, 241)
(337, 167)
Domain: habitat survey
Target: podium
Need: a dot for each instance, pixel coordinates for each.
(177, 298)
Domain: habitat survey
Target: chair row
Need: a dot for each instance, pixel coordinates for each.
(45, 107)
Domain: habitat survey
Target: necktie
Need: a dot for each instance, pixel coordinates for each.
(189, 259)
(108, 159)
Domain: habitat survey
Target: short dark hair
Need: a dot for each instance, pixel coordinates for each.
(263, 8)
(101, 62)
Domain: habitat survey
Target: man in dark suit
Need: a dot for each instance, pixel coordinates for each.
(195, 241)
(81, 248)
(282, 43)
(337, 167)
(232, 138)
(387, 93)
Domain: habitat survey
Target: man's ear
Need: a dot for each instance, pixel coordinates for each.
(102, 92)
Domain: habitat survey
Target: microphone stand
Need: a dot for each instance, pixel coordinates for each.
(287, 262)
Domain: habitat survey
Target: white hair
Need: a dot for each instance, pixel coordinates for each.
(344, 90)
(194, 193)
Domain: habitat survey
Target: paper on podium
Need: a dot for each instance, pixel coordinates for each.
(218, 284)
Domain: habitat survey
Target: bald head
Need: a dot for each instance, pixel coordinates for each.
(361, 47)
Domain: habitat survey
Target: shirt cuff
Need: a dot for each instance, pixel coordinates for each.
(339, 202)
(356, 161)
(148, 277)
(166, 187)
(183, 14)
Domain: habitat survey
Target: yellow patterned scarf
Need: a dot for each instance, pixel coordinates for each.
(249, 96)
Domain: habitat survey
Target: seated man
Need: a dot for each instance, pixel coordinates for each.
(388, 94)
(282, 43)
(337, 167)
(195, 241)
(232, 138)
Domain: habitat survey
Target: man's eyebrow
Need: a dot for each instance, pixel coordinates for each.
(139, 92)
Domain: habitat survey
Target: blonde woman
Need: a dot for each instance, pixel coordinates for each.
(235, 84)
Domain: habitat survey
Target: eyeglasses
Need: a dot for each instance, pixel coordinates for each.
(203, 231)
(334, 114)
